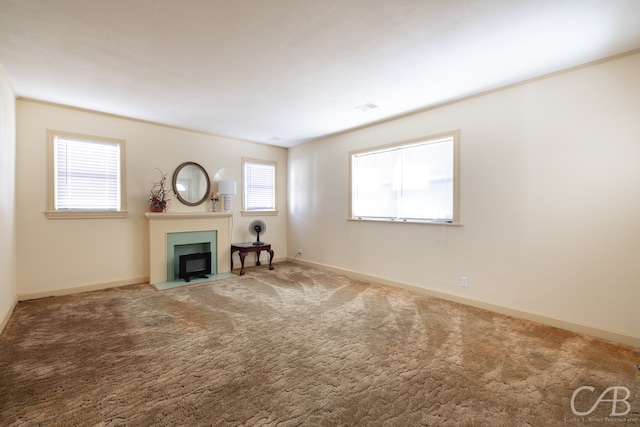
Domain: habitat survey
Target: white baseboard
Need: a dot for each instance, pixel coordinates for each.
(605, 334)
(6, 316)
(84, 288)
(107, 285)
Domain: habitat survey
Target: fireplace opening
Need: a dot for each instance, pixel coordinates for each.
(194, 265)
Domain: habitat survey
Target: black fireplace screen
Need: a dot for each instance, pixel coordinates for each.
(195, 265)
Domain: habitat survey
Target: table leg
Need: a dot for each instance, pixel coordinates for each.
(270, 259)
(242, 256)
(231, 261)
(258, 257)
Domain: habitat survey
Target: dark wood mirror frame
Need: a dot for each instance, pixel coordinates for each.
(184, 177)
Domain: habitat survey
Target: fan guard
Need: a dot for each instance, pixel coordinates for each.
(256, 228)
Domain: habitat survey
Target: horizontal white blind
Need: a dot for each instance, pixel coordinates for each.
(87, 175)
(259, 186)
(406, 182)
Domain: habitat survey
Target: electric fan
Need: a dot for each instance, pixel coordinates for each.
(256, 228)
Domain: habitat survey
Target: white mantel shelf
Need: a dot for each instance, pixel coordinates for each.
(162, 223)
(186, 215)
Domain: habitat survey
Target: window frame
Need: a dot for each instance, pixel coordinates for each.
(244, 211)
(51, 211)
(455, 135)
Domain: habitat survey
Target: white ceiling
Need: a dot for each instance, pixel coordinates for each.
(284, 72)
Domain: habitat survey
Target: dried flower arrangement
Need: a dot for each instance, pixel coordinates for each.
(158, 200)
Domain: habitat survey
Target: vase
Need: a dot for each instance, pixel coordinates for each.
(214, 205)
(155, 209)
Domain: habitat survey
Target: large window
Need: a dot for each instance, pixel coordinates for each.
(259, 187)
(85, 176)
(410, 181)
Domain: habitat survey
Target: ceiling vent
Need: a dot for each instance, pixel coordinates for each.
(366, 107)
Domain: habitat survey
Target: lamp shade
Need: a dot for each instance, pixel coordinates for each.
(227, 187)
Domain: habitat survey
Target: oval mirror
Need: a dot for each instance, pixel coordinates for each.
(191, 184)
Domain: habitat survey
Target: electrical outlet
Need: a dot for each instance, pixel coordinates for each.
(464, 281)
(300, 252)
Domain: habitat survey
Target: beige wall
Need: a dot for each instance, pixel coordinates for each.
(55, 256)
(7, 200)
(549, 202)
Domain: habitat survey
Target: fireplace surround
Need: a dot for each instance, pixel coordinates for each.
(163, 227)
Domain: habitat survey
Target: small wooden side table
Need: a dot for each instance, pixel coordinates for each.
(244, 248)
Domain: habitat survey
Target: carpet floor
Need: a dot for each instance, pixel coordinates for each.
(300, 346)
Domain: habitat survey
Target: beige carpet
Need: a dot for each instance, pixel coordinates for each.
(298, 347)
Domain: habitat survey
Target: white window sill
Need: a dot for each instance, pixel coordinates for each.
(258, 213)
(402, 221)
(85, 214)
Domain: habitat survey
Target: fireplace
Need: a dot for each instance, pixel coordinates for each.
(184, 243)
(172, 235)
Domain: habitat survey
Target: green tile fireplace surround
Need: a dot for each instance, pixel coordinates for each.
(189, 242)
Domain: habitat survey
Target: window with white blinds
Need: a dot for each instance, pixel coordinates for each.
(86, 174)
(410, 181)
(259, 185)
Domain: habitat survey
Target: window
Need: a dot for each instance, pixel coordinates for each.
(86, 177)
(410, 181)
(258, 187)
